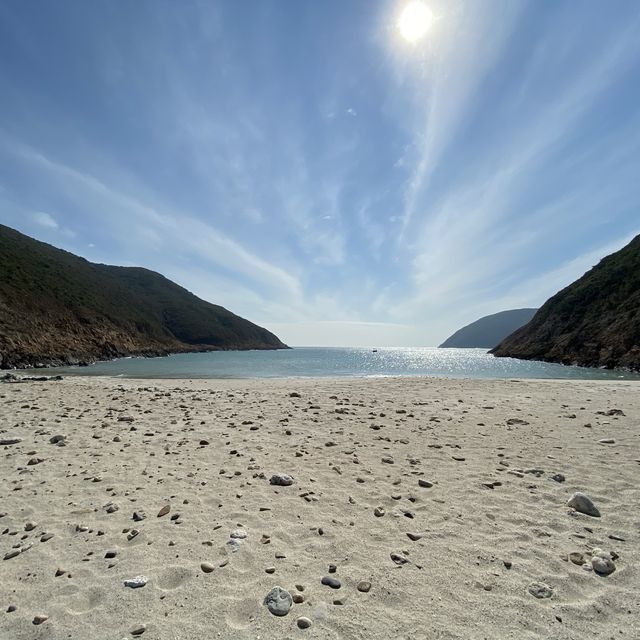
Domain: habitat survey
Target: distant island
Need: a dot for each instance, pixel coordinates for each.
(58, 309)
(594, 322)
(488, 331)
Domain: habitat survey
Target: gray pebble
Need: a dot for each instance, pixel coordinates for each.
(332, 582)
(582, 503)
(281, 479)
(136, 583)
(303, 623)
(278, 601)
(540, 590)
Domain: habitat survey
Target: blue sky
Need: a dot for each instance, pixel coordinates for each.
(302, 164)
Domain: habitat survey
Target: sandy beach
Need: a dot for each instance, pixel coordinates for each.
(431, 508)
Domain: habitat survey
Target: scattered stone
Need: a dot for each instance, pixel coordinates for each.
(40, 619)
(558, 477)
(11, 608)
(298, 598)
(363, 586)
(378, 512)
(164, 511)
(606, 441)
(46, 536)
(398, 559)
(582, 503)
(577, 558)
(139, 630)
(270, 570)
(303, 623)
(540, 590)
(332, 568)
(207, 567)
(294, 394)
(238, 534)
(388, 460)
(136, 583)
(425, 484)
(602, 562)
(60, 572)
(278, 601)
(59, 439)
(11, 554)
(414, 536)
(332, 582)
(9, 441)
(281, 479)
(111, 553)
(138, 516)
(507, 564)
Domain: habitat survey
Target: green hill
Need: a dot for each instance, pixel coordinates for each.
(57, 308)
(489, 330)
(593, 322)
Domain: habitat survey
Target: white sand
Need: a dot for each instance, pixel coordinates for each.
(455, 583)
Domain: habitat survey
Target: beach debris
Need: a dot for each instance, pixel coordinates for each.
(540, 590)
(278, 601)
(136, 583)
(281, 480)
(583, 504)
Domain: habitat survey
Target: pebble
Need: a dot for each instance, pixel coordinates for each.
(577, 558)
(602, 562)
(606, 441)
(414, 536)
(139, 630)
(59, 439)
(136, 583)
(30, 526)
(238, 534)
(46, 536)
(281, 480)
(364, 586)
(425, 484)
(11, 554)
(40, 619)
(378, 512)
(110, 553)
(270, 570)
(298, 598)
(278, 601)
(558, 477)
(582, 503)
(8, 441)
(540, 590)
(207, 567)
(164, 511)
(60, 572)
(303, 623)
(11, 608)
(332, 582)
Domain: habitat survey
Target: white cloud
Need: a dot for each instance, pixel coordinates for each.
(45, 220)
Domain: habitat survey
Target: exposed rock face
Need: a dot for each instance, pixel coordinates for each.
(57, 308)
(487, 332)
(594, 322)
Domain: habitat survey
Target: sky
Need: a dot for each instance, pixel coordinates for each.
(304, 165)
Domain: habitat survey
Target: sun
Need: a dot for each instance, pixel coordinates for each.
(415, 20)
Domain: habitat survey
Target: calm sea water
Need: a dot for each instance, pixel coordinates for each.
(303, 362)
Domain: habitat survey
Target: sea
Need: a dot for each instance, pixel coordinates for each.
(321, 362)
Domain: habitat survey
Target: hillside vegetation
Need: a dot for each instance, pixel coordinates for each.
(593, 322)
(58, 308)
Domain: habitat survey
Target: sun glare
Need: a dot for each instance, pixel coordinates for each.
(415, 20)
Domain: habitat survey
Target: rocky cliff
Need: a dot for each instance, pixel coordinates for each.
(57, 308)
(489, 330)
(594, 322)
